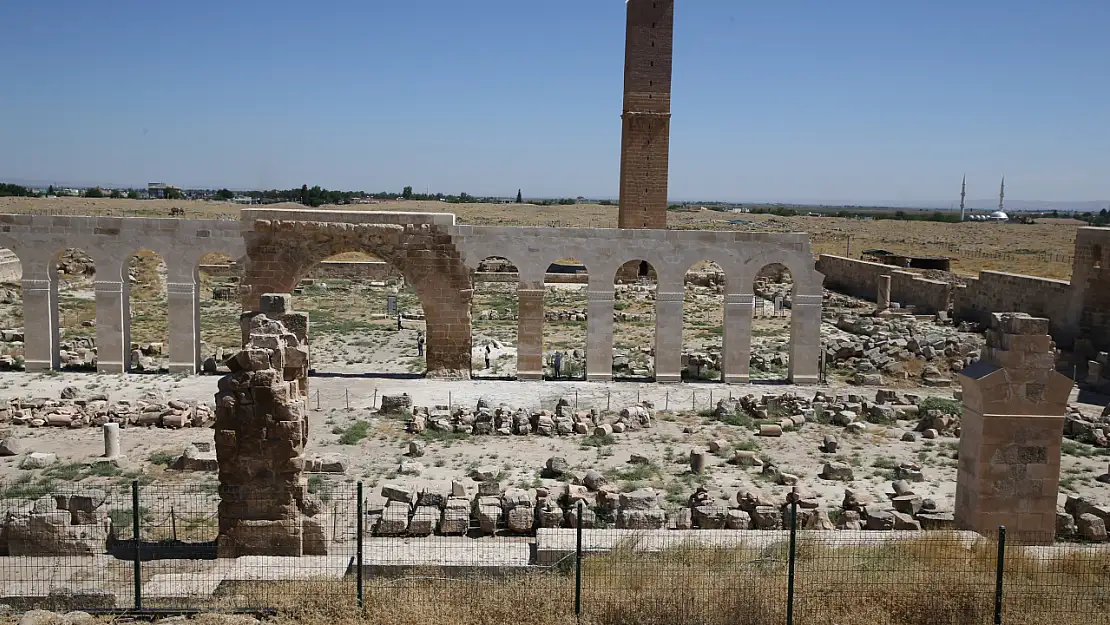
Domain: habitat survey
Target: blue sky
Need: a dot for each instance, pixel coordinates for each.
(796, 100)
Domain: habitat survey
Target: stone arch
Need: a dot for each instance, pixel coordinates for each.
(565, 336)
(146, 280)
(71, 270)
(702, 345)
(280, 253)
(771, 316)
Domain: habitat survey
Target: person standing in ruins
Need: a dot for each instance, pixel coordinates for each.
(487, 356)
(558, 363)
(419, 343)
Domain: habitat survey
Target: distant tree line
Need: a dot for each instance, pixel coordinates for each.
(15, 190)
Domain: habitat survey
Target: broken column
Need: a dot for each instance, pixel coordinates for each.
(261, 428)
(1013, 421)
(111, 440)
(882, 298)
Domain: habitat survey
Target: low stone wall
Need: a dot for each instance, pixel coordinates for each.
(860, 278)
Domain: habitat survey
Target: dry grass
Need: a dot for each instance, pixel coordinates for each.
(938, 580)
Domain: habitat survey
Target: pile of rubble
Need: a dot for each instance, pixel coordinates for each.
(874, 346)
(1082, 519)
(504, 420)
(74, 410)
(72, 524)
(1091, 431)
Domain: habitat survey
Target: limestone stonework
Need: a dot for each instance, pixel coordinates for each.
(646, 119)
(278, 247)
(283, 246)
(1013, 420)
(261, 429)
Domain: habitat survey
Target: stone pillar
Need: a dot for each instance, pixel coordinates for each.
(805, 339)
(111, 440)
(668, 336)
(1013, 420)
(184, 332)
(882, 298)
(738, 337)
(113, 350)
(40, 324)
(599, 335)
(529, 333)
(261, 428)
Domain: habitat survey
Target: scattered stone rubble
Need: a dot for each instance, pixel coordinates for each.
(75, 409)
(504, 420)
(878, 346)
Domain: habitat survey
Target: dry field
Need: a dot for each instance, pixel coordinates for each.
(1017, 248)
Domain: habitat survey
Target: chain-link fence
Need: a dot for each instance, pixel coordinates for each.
(158, 548)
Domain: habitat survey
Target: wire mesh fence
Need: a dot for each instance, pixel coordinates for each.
(171, 548)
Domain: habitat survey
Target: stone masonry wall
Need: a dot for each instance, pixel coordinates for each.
(860, 278)
(328, 269)
(261, 428)
(1091, 282)
(998, 291)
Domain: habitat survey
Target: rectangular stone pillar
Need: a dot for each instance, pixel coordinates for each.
(529, 333)
(668, 336)
(1013, 421)
(113, 350)
(805, 339)
(737, 337)
(882, 298)
(184, 330)
(40, 324)
(599, 335)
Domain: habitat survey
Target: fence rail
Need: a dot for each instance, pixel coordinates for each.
(154, 549)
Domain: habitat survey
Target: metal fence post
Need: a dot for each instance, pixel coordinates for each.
(358, 545)
(578, 563)
(998, 573)
(137, 552)
(793, 556)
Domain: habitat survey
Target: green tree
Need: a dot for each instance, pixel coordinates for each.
(407, 193)
(116, 194)
(519, 197)
(50, 190)
(174, 194)
(132, 194)
(304, 194)
(94, 192)
(225, 194)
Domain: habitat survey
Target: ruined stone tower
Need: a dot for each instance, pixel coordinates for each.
(645, 137)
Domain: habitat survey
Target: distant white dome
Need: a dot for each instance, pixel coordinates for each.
(999, 215)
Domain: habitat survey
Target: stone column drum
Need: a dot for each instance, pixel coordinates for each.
(1013, 421)
(882, 298)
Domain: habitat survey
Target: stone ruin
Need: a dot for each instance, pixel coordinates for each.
(64, 525)
(261, 428)
(1012, 425)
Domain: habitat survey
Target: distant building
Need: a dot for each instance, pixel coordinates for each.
(159, 190)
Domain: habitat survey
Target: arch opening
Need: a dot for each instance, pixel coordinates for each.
(146, 330)
(703, 322)
(770, 336)
(636, 284)
(11, 311)
(218, 280)
(72, 278)
(364, 317)
(565, 308)
(494, 314)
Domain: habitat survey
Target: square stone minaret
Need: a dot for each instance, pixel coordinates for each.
(646, 131)
(1013, 420)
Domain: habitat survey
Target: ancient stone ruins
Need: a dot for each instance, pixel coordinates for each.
(435, 256)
